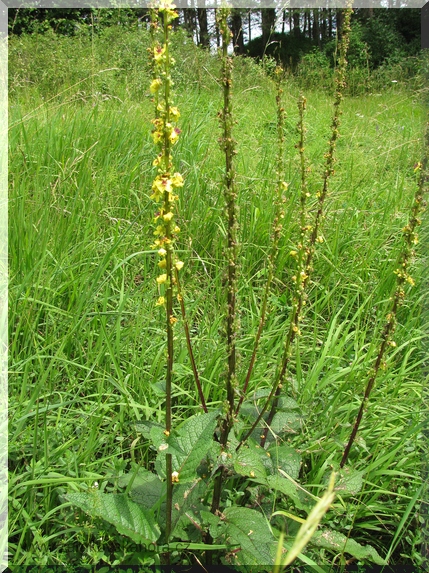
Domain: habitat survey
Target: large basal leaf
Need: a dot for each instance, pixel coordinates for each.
(349, 482)
(145, 427)
(283, 423)
(248, 529)
(248, 461)
(216, 525)
(146, 488)
(339, 543)
(299, 497)
(188, 445)
(284, 458)
(286, 404)
(119, 510)
(286, 423)
(187, 504)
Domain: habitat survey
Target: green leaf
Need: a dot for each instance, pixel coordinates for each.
(338, 542)
(248, 461)
(216, 525)
(285, 458)
(118, 509)
(146, 488)
(187, 505)
(188, 444)
(158, 437)
(250, 530)
(349, 482)
(286, 423)
(145, 426)
(286, 404)
(299, 497)
(308, 528)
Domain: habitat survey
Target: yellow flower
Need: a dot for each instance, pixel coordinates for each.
(162, 264)
(158, 123)
(173, 320)
(162, 252)
(174, 113)
(177, 180)
(158, 53)
(168, 216)
(161, 279)
(157, 160)
(179, 265)
(155, 85)
(174, 135)
(168, 8)
(159, 230)
(159, 186)
(160, 301)
(157, 135)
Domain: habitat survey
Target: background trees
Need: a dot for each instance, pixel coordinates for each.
(378, 35)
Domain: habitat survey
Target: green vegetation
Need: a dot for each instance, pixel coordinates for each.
(87, 341)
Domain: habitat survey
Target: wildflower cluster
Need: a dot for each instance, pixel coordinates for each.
(165, 135)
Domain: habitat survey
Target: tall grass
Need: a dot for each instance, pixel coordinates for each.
(86, 339)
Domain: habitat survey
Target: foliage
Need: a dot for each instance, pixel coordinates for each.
(286, 48)
(359, 54)
(70, 21)
(314, 69)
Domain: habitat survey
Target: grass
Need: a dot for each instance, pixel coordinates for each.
(87, 349)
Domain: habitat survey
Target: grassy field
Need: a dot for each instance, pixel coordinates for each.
(87, 343)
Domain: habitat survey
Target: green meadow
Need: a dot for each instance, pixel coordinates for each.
(87, 341)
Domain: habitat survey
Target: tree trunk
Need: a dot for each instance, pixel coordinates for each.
(340, 19)
(237, 31)
(204, 29)
(323, 25)
(217, 32)
(316, 27)
(189, 21)
(249, 25)
(296, 28)
(268, 20)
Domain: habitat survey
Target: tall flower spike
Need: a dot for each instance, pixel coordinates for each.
(227, 145)
(409, 236)
(279, 201)
(165, 134)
